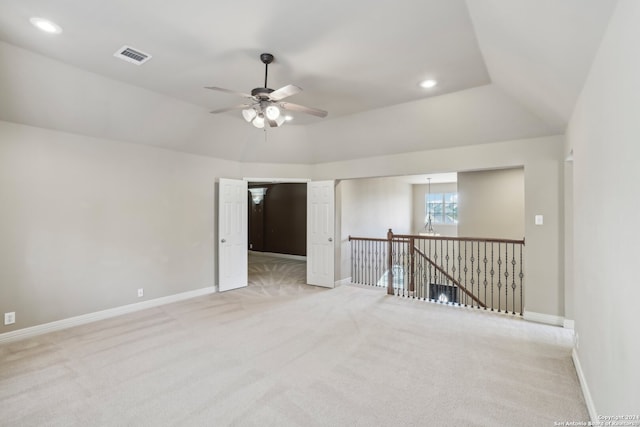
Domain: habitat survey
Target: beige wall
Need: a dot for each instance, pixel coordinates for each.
(491, 203)
(86, 222)
(542, 159)
(604, 134)
(371, 206)
(368, 208)
(89, 221)
(569, 303)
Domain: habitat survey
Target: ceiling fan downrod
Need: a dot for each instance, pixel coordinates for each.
(266, 59)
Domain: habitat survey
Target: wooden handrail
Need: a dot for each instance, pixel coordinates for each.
(458, 239)
(448, 276)
(367, 239)
(406, 237)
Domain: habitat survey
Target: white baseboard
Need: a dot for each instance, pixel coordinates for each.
(100, 315)
(568, 324)
(343, 281)
(277, 255)
(543, 318)
(585, 388)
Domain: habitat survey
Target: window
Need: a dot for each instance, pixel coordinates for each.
(443, 208)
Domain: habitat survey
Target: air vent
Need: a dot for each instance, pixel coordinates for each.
(129, 54)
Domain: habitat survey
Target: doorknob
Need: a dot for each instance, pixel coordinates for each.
(222, 241)
(330, 239)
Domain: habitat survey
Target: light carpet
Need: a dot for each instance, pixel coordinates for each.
(282, 353)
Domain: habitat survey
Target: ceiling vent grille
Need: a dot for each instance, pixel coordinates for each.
(129, 54)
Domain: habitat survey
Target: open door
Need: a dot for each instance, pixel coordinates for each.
(320, 233)
(232, 234)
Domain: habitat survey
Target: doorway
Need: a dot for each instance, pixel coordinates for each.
(277, 233)
(277, 218)
(320, 232)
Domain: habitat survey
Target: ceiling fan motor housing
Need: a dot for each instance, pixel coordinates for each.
(261, 92)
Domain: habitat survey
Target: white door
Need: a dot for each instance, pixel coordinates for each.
(232, 234)
(320, 231)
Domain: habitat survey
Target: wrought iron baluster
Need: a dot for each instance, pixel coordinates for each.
(521, 276)
(356, 273)
(401, 267)
(385, 258)
(492, 273)
(513, 278)
(506, 278)
(394, 257)
(460, 274)
(423, 270)
(485, 272)
(429, 243)
(473, 259)
(373, 279)
(465, 275)
(499, 277)
(373, 263)
(453, 271)
(365, 271)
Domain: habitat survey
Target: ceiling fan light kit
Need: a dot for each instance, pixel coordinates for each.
(264, 106)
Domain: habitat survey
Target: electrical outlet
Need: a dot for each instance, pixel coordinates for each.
(10, 318)
(140, 292)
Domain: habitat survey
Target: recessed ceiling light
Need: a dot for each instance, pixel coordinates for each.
(288, 118)
(428, 84)
(46, 25)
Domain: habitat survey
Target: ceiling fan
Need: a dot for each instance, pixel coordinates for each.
(264, 105)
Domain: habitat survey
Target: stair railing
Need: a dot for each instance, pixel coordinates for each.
(477, 272)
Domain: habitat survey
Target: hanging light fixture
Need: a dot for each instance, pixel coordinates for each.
(258, 121)
(428, 226)
(272, 112)
(249, 114)
(263, 112)
(257, 194)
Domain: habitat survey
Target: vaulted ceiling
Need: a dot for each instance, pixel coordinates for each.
(505, 69)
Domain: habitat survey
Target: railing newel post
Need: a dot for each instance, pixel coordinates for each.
(390, 262)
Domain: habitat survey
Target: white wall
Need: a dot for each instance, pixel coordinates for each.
(491, 203)
(419, 208)
(604, 133)
(86, 222)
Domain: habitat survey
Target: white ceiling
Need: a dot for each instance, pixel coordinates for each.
(506, 69)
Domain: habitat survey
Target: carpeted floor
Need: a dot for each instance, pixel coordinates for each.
(281, 353)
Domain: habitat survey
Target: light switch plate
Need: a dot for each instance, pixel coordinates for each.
(539, 220)
(10, 318)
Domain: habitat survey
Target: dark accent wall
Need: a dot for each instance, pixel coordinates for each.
(279, 223)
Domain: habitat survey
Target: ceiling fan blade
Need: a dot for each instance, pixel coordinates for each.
(284, 92)
(303, 109)
(235, 107)
(272, 123)
(232, 92)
